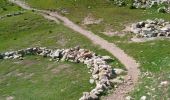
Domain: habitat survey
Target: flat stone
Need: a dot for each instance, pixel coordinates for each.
(118, 71)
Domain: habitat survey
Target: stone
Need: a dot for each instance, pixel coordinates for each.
(96, 70)
(93, 97)
(164, 83)
(16, 56)
(107, 58)
(128, 98)
(152, 28)
(143, 98)
(116, 81)
(10, 98)
(91, 81)
(96, 76)
(55, 54)
(118, 71)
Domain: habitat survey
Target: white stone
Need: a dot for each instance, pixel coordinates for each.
(164, 83)
(118, 71)
(143, 98)
(91, 81)
(128, 98)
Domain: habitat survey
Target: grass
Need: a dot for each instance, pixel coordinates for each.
(6, 7)
(153, 56)
(31, 79)
(35, 78)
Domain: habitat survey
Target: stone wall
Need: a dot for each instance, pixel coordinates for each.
(103, 75)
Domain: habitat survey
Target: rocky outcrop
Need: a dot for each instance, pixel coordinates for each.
(151, 28)
(103, 75)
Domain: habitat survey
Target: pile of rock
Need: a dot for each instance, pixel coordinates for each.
(152, 28)
(102, 73)
(150, 3)
(12, 14)
(120, 3)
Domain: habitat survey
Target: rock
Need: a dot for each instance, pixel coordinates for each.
(95, 71)
(143, 98)
(107, 58)
(116, 81)
(93, 97)
(91, 81)
(16, 56)
(128, 98)
(164, 83)
(10, 98)
(96, 76)
(148, 3)
(118, 71)
(86, 96)
(161, 10)
(152, 28)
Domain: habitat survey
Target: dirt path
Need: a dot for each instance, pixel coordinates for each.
(130, 64)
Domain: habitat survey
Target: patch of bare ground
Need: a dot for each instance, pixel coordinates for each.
(90, 19)
(10, 98)
(62, 67)
(109, 31)
(28, 62)
(62, 41)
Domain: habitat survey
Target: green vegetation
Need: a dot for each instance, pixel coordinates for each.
(6, 7)
(154, 56)
(36, 78)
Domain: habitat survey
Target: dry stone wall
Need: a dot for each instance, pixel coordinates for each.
(102, 73)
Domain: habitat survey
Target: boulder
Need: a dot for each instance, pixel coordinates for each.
(118, 71)
(91, 81)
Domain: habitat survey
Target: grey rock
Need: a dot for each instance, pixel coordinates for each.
(91, 81)
(118, 71)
